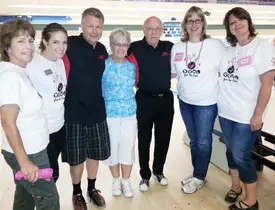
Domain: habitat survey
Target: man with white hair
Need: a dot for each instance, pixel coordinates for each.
(155, 101)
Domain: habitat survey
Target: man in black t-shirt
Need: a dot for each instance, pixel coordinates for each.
(87, 136)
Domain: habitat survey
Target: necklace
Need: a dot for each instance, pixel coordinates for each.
(192, 64)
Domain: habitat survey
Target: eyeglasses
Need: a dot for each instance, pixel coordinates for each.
(121, 45)
(191, 22)
(157, 30)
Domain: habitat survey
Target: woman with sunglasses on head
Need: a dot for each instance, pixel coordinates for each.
(25, 135)
(195, 61)
(47, 73)
(247, 77)
(118, 92)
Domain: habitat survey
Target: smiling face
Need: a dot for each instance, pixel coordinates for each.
(238, 27)
(152, 31)
(21, 50)
(57, 44)
(92, 28)
(194, 25)
(119, 49)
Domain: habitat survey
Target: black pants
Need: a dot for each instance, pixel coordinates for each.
(54, 149)
(158, 111)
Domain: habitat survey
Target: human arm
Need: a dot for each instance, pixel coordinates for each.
(9, 114)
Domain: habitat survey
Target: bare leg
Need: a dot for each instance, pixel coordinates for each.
(92, 168)
(76, 173)
(115, 170)
(251, 195)
(126, 171)
(236, 183)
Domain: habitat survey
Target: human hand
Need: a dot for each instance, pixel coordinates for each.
(30, 171)
(256, 122)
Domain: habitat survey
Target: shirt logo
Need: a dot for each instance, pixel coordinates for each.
(165, 54)
(60, 87)
(245, 61)
(178, 56)
(101, 57)
(273, 61)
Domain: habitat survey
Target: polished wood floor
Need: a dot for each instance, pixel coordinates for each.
(178, 166)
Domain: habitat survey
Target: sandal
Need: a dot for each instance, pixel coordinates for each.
(247, 207)
(232, 196)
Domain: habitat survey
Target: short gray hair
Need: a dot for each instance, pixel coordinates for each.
(119, 34)
(92, 12)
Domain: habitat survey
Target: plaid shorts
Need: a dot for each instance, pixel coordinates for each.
(86, 141)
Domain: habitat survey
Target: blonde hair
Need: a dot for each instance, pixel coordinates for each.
(188, 14)
(92, 12)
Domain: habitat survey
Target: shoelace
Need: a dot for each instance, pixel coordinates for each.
(81, 200)
(161, 177)
(144, 181)
(194, 184)
(96, 193)
(127, 187)
(116, 184)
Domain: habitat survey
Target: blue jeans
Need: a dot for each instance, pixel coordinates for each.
(239, 140)
(199, 122)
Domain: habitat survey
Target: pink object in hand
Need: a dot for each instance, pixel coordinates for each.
(46, 174)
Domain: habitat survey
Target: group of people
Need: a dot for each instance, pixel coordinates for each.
(76, 100)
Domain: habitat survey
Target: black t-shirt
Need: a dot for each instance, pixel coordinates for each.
(84, 103)
(154, 65)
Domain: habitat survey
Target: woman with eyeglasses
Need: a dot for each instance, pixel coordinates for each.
(118, 92)
(47, 73)
(247, 76)
(26, 135)
(195, 62)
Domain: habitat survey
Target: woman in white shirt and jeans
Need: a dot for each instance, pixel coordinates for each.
(247, 77)
(195, 61)
(47, 73)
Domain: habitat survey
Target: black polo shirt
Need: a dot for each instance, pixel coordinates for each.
(84, 103)
(154, 65)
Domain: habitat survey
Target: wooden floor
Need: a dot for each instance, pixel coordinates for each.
(158, 198)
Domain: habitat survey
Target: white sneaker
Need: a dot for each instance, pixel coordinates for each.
(127, 188)
(161, 179)
(187, 180)
(144, 185)
(194, 185)
(116, 187)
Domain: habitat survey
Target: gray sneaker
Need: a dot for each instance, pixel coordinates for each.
(194, 185)
(161, 179)
(144, 185)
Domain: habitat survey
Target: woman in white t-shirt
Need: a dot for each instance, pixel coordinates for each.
(25, 133)
(195, 61)
(47, 73)
(247, 76)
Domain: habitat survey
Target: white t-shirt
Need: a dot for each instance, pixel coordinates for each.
(198, 81)
(16, 88)
(239, 86)
(49, 79)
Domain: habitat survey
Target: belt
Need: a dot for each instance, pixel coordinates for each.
(154, 94)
